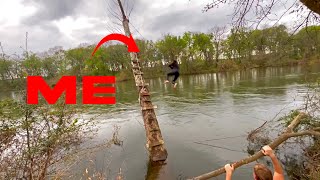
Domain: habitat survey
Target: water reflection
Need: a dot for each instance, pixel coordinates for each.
(253, 81)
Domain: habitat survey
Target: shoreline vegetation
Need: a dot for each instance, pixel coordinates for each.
(197, 53)
(149, 74)
(126, 75)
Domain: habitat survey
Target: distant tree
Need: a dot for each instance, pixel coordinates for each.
(218, 34)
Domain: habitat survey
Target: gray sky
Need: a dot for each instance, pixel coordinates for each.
(68, 23)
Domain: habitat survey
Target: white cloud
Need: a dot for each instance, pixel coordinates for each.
(69, 24)
(13, 11)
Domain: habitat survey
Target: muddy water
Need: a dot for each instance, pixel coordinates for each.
(214, 109)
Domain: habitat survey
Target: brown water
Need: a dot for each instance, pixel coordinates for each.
(215, 109)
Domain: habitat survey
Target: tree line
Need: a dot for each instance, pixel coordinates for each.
(218, 50)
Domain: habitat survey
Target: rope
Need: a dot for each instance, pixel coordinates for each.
(137, 30)
(226, 138)
(221, 147)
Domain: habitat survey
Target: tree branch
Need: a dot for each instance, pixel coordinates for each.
(313, 5)
(316, 129)
(263, 10)
(304, 133)
(288, 133)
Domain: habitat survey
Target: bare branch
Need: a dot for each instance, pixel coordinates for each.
(131, 10)
(304, 133)
(126, 5)
(295, 122)
(288, 9)
(113, 13)
(288, 133)
(316, 129)
(263, 10)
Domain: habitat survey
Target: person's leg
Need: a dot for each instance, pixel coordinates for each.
(168, 75)
(175, 78)
(176, 75)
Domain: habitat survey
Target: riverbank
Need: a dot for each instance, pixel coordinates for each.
(223, 66)
(185, 69)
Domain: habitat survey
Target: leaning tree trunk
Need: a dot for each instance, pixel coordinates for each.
(155, 143)
(313, 5)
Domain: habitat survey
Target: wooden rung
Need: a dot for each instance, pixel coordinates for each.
(138, 73)
(148, 108)
(141, 85)
(153, 130)
(144, 85)
(156, 144)
(146, 100)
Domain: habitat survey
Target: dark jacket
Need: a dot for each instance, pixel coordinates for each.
(174, 66)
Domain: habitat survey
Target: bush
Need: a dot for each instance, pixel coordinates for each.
(34, 139)
(124, 75)
(227, 65)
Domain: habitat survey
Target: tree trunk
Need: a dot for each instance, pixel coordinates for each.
(155, 143)
(313, 5)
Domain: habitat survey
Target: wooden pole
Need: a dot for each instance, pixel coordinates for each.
(155, 142)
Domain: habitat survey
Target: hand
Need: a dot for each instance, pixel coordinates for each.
(229, 168)
(267, 151)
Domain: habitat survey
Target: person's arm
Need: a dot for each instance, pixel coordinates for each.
(278, 172)
(229, 169)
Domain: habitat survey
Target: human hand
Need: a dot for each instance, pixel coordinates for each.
(267, 151)
(229, 168)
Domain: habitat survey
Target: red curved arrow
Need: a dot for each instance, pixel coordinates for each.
(132, 46)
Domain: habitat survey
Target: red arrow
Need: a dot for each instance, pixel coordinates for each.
(132, 46)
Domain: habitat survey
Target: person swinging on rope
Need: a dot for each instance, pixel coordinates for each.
(174, 72)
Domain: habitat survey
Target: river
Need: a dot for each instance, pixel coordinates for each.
(218, 109)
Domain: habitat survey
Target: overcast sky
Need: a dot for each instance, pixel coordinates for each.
(68, 23)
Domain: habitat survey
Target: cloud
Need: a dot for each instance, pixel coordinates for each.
(178, 18)
(49, 10)
(39, 39)
(68, 23)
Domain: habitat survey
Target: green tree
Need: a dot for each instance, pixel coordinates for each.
(307, 42)
(171, 47)
(50, 67)
(237, 46)
(75, 60)
(33, 65)
(218, 37)
(202, 43)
